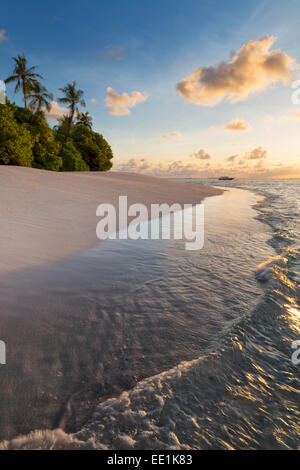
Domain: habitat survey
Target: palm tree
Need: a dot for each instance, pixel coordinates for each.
(72, 98)
(25, 77)
(84, 119)
(40, 97)
(62, 127)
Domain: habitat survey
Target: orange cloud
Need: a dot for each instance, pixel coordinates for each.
(201, 155)
(256, 154)
(253, 68)
(184, 169)
(119, 104)
(177, 168)
(56, 112)
(119, 111)
(237, 124)
(172, 135)
(232, 158)
(293, 116)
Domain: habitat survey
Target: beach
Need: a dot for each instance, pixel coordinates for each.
(150, 230)
(48, 278)
(47, 216)
(141, 344)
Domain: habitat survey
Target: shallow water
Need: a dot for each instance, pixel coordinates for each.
(147, 345)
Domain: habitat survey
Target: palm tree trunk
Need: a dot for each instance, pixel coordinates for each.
(71, 119)
(25, 99)
(69, 125)
(24, 92)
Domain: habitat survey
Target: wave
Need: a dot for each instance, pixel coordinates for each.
(235, 398)
(265, 271)
(242, 395)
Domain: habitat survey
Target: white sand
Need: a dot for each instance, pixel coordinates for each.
(46, 216)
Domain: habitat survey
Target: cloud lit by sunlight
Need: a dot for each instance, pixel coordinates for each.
(253, 68)
(119, 105)
(172, 135)
(56, 112)
(232, 158)
(239, 168)
(257, 154)
(201, 155)
(237, 124)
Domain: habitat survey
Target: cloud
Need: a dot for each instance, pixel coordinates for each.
(56, 112)
(111, 52)
(256, 154)
(232, 158)
(172, 135)
(3, 36)
(119, 104)
(295, 116)
(186, 169)
(253, 68)
(237, 124)
(177, 168)
(124, 100)
(201, 155)
(93, 100)
(119, 111)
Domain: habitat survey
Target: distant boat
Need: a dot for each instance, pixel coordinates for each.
(225, 178)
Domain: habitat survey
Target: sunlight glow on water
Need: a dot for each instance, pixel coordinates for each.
(177, 349)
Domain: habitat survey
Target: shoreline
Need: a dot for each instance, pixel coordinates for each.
(47, 216)
(93, 328)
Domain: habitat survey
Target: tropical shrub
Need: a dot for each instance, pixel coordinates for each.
(16, 142)
(71, 157)
(94, 149)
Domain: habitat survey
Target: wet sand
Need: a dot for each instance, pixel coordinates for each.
(89, 328)
(46, 216)
(50, 323)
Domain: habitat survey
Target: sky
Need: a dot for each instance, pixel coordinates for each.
(191, 89)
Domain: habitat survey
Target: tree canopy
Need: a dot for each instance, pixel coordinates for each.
(26, 139)
(16, 142)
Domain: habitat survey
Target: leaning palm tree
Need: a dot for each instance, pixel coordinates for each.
(40, 97)
(25, 77)
(84, 119)
(72, 98)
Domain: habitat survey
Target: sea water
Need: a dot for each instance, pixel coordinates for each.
(142, 344)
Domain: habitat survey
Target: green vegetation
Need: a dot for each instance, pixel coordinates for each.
(72, 98)
(25, 77)
(16, 142)
(26, 139)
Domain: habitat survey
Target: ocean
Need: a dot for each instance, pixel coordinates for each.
(144, 345)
